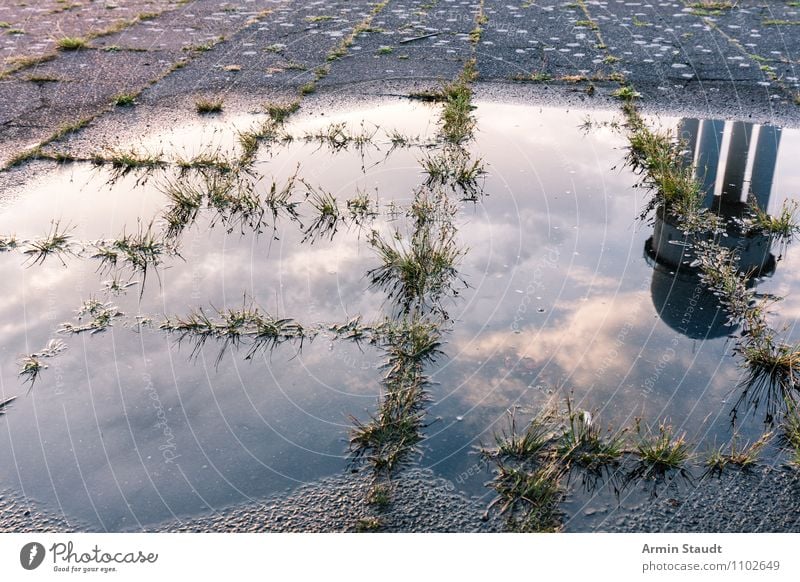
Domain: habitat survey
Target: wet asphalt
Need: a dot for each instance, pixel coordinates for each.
(741, 63)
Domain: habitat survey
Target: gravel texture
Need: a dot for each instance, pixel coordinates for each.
(420, 503)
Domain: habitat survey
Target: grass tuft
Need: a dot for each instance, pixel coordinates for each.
(662, 451)
(72, 43)
(205, 106)
(57, 242)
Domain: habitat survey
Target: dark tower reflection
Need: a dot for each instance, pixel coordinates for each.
(678, 296)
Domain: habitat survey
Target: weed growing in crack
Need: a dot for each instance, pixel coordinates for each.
(139, 252)
(33, 364)
(57, 242)
(205, 106)
(743, 457)
(661, 451)
(326, 218)
(72, 43)
(418, 274)
(232, 327)
(94, 316)
(529, 499)
(454, 167)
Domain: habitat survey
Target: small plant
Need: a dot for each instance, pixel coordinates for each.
(454, 167)
(206, 106)
(385, 50)
(529, 498)
(743, 458)
(72, 43)
(280, 112)
(232, 327)
(368, 524)
(308, 88)
(139, 252)
(6, 404)
(527, 445)
(590, 24)
(790, 432)
(57, 242)
(782, 227)
(419, 274)
(663, 451)
(100, 316)
(124, 161)
(124, 99)
(327, 216)
(626, 93)
(773, 372)
(458, 122)
(8, 243)
(583, 444)
(379, 495)
(32, 365)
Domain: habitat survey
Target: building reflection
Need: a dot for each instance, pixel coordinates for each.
(735, 164)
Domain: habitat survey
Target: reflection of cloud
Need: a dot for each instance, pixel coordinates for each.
(581, 343)
(584, 277)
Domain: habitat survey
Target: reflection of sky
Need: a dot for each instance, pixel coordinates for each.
(559, 295)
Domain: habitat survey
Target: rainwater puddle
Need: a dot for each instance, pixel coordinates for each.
(556, 293)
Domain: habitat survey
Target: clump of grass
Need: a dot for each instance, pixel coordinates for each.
(590, 24)
(205, 106)
(773, 373)
(583, 443)
(100, 316)
(790, 432)
(389, 438)
(379, 495)
(139, 251)
(360, 208)
(719, 272)
(327, 217)
(783, 227)
(710, 7)
(626, 93)
(658, 156)
(33, 364)
(458, 122)
(232, 327)
(536, 77)
(206, 160)
(57, 242)
(123, 162)
(662, 451)
(526, 445)
(454, 167)
(8, 243)
(742, 457)
(280, 112)
(72, 43)
(6, 404)
(124, 99)
(368, 524)
(385, 50)
(417, 275)
(529, 498)
(308, 88)
(338, 137)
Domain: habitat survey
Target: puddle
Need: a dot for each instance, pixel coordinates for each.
(127, 427)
